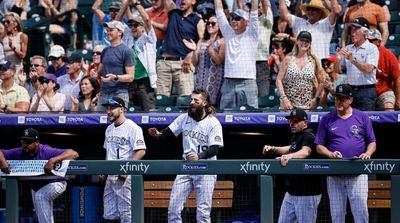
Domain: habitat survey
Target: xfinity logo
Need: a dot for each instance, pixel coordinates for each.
(372, 166)
(247, 167)
(129, 167)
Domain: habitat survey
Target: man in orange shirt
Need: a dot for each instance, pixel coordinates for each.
(158, 13)
(375, 15)
(387, 75)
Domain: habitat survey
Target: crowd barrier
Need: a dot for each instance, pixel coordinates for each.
(151, 119)
(265, 168)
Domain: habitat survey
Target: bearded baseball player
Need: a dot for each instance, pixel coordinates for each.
(123, 141)
(201, 137)
(43, 191)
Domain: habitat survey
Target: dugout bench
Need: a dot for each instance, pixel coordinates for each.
(157, 194)
(379, 194)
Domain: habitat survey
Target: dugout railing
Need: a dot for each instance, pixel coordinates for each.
(265, 168)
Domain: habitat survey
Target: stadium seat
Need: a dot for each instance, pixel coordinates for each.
(243, 108)
(393, 5)
(165, 109)
(85, 54)
(393, 40)
(164, 101)
(183, 102)
(395, 17)
(268, 101)
(134, 109)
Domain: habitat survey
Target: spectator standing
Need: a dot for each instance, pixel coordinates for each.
(13, 97)
(93, 69)
(142, 89)
(279, 49)
(209, 59)
(158, 13)
(387, 75)
(304, 192)
(331, 81)
(263, 76)
(373, 13)
(117, 65)
(44, 192)
(123, 141)
(48, 99)
(57, 58)
(115, 13)
(38, 67)
(21, 7)
(69, 83)
(346, 133)
(175, 65)
(300, 77)
(86, 102)
(201, 121)
(361, 59)
(15, 43)
(241, 41)
(320, 23)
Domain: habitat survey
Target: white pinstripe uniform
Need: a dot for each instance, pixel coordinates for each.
(120, 144)
(196, 137)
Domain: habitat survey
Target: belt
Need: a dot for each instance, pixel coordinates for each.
(172, 58)
(357, 87)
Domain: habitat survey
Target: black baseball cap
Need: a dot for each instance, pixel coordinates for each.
(304, 35)
(115, 102)
(74, 58)
(30, 134)
(6, 65)
(298, 113)
(360, 22)
(344, 90)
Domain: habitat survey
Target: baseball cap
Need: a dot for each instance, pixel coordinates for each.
(115, 102)
(136, 19)
(115, 25)
(74, 58)
(344, 90)
(114, 5)
(360, 22)
(374, 34)
(5, 65)
(56, 51)
(297, 113)
(304, 35)
(241, 13)
(331, 58)
(317, 4)
(30, 134)
(49, 76)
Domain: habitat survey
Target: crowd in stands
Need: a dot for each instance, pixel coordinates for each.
(239, 51)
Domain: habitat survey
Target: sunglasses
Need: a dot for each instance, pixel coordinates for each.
(211, 23)
(312, 9)
(7, 22)
(113, 10)
(36, 65)
(236, 18)
(96, 53)
(26, 141)
(54, 58)
(326, 65)
(113, 102)
(43, 80)
(134, 25)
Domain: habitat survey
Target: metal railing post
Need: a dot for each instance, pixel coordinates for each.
(12, 200)
(137, 189)
(395, 199)
(266, 199)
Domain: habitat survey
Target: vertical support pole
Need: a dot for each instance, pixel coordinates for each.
(266, 199)
(395, 199)
(12, 206)
(137, 193)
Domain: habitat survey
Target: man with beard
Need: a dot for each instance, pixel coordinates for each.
(43, 191)
(346, 133)
(201, 138)
(304, 192)
(123, 141)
